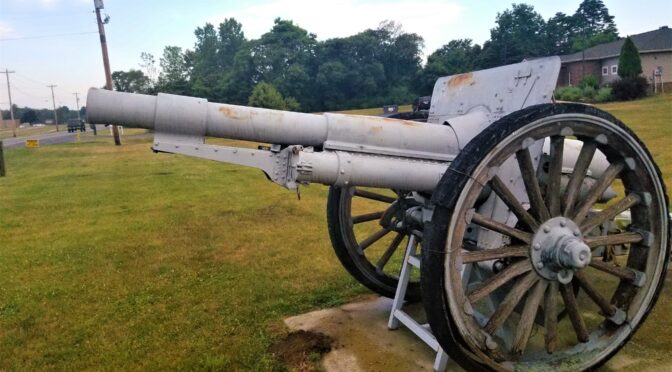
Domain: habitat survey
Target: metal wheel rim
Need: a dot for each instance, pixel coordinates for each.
(470, 330)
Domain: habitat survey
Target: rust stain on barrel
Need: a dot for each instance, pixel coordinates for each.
(461, 79)
(230, 112)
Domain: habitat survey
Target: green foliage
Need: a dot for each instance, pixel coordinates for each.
(518, 34)
(29, 116)
(453, 58)
(629, 62)
(267, 96)
(133, 81)
(603, 95)
(586, 93)
(589, 81)
(569, 94)
(580, 42)
(175, 66)
(629, 88)
(592, 18)
(374, 67)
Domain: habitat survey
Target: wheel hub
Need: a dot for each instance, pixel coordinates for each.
(558, 250)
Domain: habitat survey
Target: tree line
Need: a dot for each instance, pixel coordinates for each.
(288, 68)
(32, 115)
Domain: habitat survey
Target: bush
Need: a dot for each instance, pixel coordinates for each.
(603, 95)
(568, 94)
(589, 81)
(588, 93)
(629, 88)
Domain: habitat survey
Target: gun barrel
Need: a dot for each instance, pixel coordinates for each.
(196, 117)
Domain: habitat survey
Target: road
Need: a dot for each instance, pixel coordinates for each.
(45, 139)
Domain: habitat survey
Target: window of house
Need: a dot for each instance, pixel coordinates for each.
(605, 70)
(614, 69)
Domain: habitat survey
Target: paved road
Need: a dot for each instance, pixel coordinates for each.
(45, 139)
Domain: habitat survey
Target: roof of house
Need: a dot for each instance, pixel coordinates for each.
(647, 42)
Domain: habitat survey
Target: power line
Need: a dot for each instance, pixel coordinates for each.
(48, 36)
(30, 80)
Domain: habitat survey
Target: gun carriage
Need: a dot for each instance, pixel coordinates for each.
(510, 194)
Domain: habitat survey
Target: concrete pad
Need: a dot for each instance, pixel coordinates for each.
(362, 340)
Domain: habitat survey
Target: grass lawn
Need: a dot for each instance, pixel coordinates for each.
(118, 257)
(30, 131)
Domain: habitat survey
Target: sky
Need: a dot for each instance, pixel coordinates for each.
(56, 42)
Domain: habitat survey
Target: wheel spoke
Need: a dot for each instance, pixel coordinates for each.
(510, 200)
(527, 317)
(510, 301)
(380, 265)
(612, 211)
(374, 196)
(501, 228)
(607, 308)
(578, 174)
(551, 317)
(596, 191)
(554, 175)
(367, 217)
(572, 308)
(493, 254)
(531, 184)
(497, 280)
(620, 272)
(372, 239)
(613, 239)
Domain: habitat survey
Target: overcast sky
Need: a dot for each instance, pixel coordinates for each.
(55, 41)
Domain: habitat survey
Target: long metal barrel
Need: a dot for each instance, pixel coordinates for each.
(190, 116)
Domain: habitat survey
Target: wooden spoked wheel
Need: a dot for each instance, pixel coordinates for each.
(508, 317)
(369, 234)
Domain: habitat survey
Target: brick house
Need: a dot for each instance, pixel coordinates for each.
(601, 61)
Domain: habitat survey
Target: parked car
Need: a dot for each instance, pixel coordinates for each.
(75, 125)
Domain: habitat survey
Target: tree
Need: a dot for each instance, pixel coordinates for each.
(592, 25)
(267, 96)
(629, 62)
(29, 116)
(148, 66)
(175, 71)
(63, 114)
(519, 33)
(133, 81)
(231, 40)
(283, 57)
(559, 33)
(453, 58)
(592, 17)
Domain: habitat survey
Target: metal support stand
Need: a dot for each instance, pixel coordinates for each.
(398, 315)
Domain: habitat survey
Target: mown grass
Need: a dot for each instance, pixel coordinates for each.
(29, 131)
(118, 257)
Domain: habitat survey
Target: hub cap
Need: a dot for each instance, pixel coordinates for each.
(558, 250)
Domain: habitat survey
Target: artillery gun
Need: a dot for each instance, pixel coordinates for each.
(510, 194)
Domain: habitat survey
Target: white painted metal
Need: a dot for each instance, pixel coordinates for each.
(337, 149)
(398, 315)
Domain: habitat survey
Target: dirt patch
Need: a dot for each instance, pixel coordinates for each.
(302, 350)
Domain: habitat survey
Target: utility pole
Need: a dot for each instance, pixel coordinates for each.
(53, 101)
(11, 108)
(98, 4)
(79, 117)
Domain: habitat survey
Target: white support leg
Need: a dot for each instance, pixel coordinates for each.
(397, 315)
